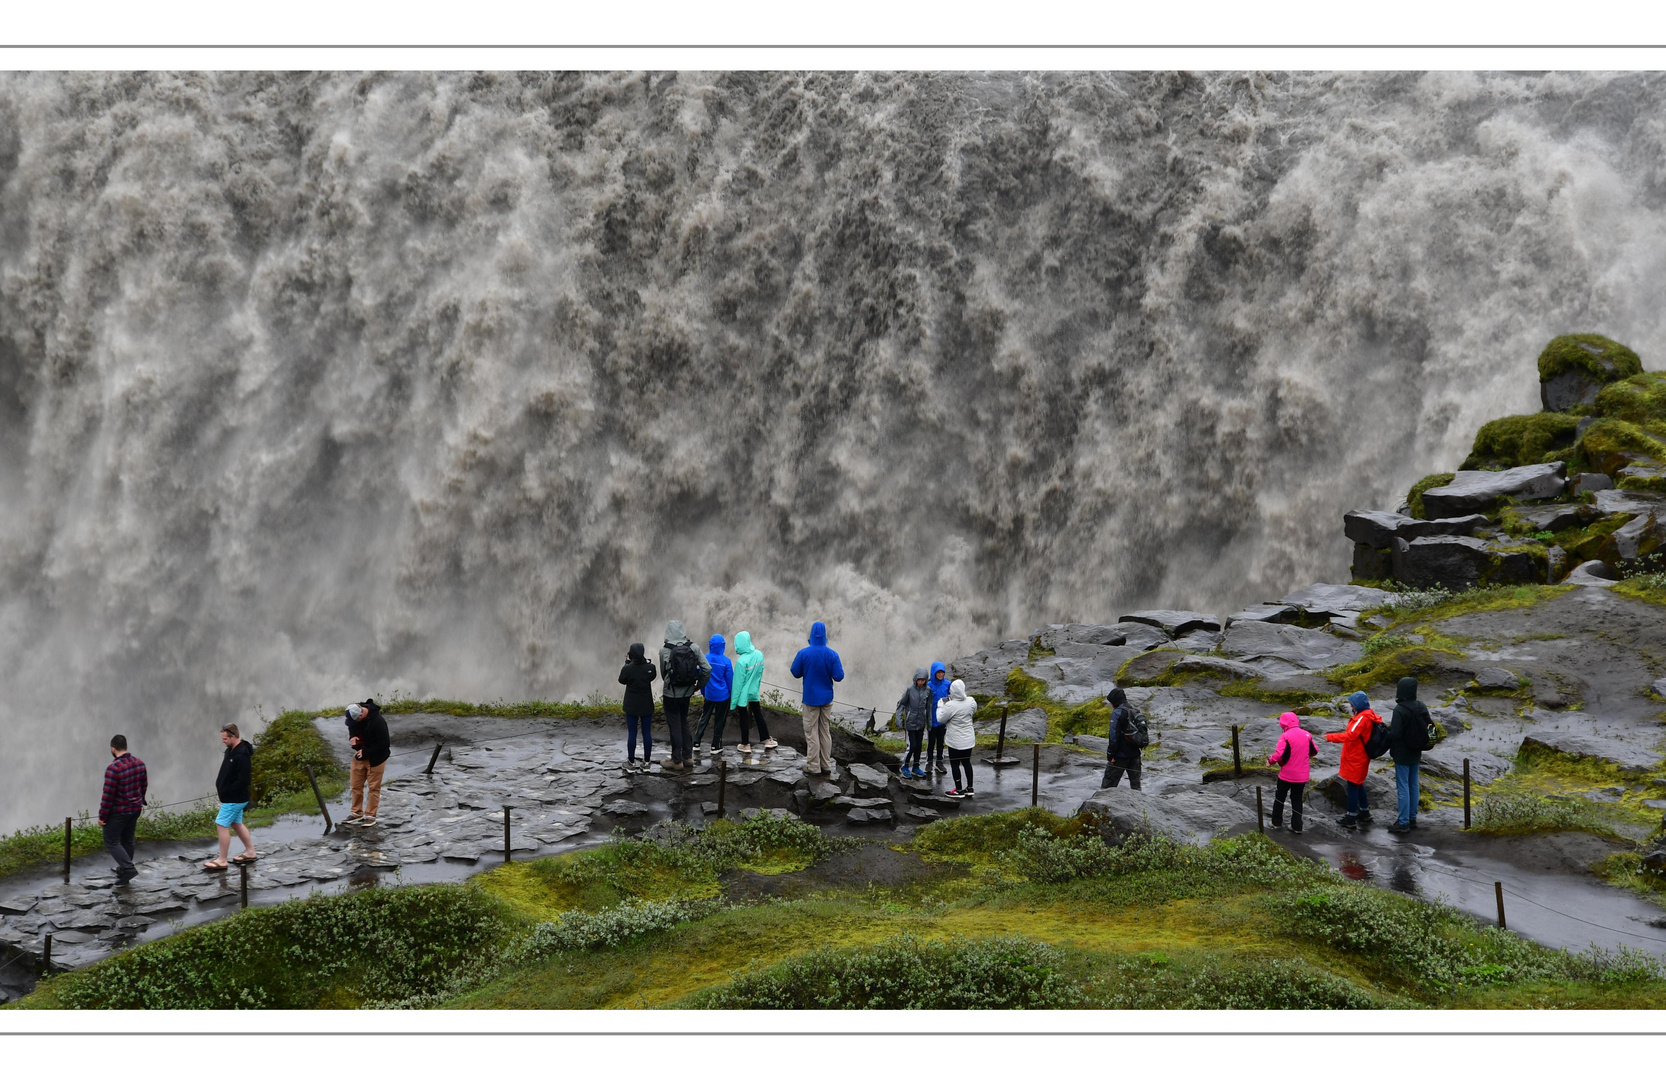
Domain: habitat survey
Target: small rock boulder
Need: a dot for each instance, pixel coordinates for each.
(1590, 481)
(1301, 649)
(1473, 491)
(1623, 757)
(861, 816)
(869, 777)
(1187, 816)
(1659, 687)
(1463, 562)
(1595, 573)
(1497, 678)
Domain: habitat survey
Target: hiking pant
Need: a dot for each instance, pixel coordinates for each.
(364, 776)
(934, 743)
(818, 738)
(1356, 798)
(647, 723)
(915, 738)
(1293, 789)
(755, 713)
(712, 711)
(676, 727)
(118, 839)
(1118, 766)
(1405, 792)
(957, 760)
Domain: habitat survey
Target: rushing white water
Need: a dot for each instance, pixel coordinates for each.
(319, 385)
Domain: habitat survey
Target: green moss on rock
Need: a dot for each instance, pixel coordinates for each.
(1611, 444)
(1604, 359)
(1414, 497)
(1511, 441)
(1640, 399)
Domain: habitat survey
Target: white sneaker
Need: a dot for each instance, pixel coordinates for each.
(770, 744)
(744, 748)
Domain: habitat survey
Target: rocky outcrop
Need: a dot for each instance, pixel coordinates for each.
(1291, 646)
(1477, 491)
(1328, 601)
(1622, 757)
(1189, 815)
(1175, 623)
(1463, 562)
(985, 673)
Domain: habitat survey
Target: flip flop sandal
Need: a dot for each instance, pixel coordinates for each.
(241, 859)
(212, 865)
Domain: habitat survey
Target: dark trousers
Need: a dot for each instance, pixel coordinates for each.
(647, 723)
(755, 713)
(118, 839)
(916, 736)
(1118, 766)
(959, 759)
(715, 713)
(676, 728)
(1356, 799)
(1293, 789)
(934, 743)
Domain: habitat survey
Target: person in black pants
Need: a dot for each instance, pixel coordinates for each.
(125, 784)
(683, 671)
(638, 676)
(1122, 754)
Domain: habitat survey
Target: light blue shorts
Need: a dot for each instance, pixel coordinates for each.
(231, 813)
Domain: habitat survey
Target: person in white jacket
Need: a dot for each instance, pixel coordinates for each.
(955, 712)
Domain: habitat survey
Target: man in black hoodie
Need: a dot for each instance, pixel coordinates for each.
(1122, 752)
(232, 786)
(1407, 730)
(367, 734)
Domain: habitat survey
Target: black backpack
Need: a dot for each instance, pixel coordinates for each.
(1426, 729)
(1376, 743)
(1138, 733)
(684, 669)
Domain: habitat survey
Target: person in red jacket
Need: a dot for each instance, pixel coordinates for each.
(1355, 761)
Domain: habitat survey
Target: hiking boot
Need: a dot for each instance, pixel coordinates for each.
(1275, 824)
(770, 744)
(1398, 828)
(1412, 824)
(1365, 817)
(124, 876)
(1348, 821)
(1296, 827)
(941, 768)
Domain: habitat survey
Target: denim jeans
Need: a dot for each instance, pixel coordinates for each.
(1405, 792)
(1356, 798)
(647, 723)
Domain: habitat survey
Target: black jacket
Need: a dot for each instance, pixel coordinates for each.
(1410, 719)
(372, 730)
(232, 785)
(1121, 746)
(638, 681)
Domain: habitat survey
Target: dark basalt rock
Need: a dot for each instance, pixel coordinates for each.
(1475, 491)
(1463, 562)
(1175, 623)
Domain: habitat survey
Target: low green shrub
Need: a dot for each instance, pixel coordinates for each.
(1038, 855)
(1273, 983)
(1522, 440)
(906, 973)
(610, 927)
(1525, 812)
(282, 753)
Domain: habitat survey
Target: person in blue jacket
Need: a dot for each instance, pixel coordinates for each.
(939, 684)
(716, 692)
(819, 667)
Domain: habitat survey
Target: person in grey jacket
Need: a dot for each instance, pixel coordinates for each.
(915, 708)
(681, 677)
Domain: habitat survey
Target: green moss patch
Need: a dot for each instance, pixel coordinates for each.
(1414, 497)
(1602, 358)
(1611, 444)
(1641, 399)
(1522, 440)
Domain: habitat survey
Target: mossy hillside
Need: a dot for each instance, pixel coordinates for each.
(1602, 358)
(1512, 441)
(1388, 657)
(1611, 444)
(1549, 791)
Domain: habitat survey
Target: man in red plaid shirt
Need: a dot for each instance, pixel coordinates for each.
(125, 783)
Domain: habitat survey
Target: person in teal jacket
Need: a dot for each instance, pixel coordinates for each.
(744, 699)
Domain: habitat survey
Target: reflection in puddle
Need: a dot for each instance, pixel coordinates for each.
(1353, 869)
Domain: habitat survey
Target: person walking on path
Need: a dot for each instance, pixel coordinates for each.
(914, 711)
(1355, 761)
(715, 711)
(683, 671)
(232, 786)
(367, 734)
(955, 712)
(638, 676)
(125, 784)
(1122, 753)
(819, 667)
(934, 734)
(1408, 729)
(1293, 754)
(744, 700)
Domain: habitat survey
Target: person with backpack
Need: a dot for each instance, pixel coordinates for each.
(637, 676)
(1127, 735)
(934, 731)
(1293, 754)
(716, 693)
(914, 712)
(819, 667)
(955, 713)
(744, 699)
(1356, 758)
(684, 672)
(1410, 732)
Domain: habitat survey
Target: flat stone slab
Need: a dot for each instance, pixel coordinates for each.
(1174, 623)
(1593, 574)
(865, 804)
(623, 808)
(869, 777)
(1305, 650)
(1616, 501)
(921, 813)
(1448, 762)
(859, 816)
(1322, 600)
(1187, 815)
(1626, 758)
(1263, 613)
(1472, 491)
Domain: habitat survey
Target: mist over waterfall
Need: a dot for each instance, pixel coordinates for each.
(320, 385)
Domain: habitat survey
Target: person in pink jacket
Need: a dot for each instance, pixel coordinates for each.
(1293, 753)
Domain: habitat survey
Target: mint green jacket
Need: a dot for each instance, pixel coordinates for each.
(749, 672)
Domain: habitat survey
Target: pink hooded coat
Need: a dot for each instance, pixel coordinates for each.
(1302, 750)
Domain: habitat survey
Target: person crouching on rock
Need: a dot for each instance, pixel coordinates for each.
(1355, 761)
(1293, 753)
(913, 714)
(638, 676)
(716, 709)
(1122, 751)
(232, 786)
(367, 734)
(955, 712)
(744, 696)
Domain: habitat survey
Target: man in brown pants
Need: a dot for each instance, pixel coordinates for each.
(367, 733)
(819, 667)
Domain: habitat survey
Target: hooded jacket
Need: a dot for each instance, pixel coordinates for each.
(916, 703)
(749, 672)
(939, 685)
(1410, 717)
(955, 714)
(1119, 746)
(723, 672)
(637, 677)
(676, 635)
(1355, 762)
(371, 730)
(819, 667)
(1295, 750)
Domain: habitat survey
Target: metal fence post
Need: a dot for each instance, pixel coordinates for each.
(68, 832)
(722, 782)
(506, 855)
(46, 958)
(244, 888)
(1035, 776)
(429, 771)
(1001, 739)
(319, 795)
(1260, 818)
(1466, 793)
(1498, 891)
(1237, 762)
